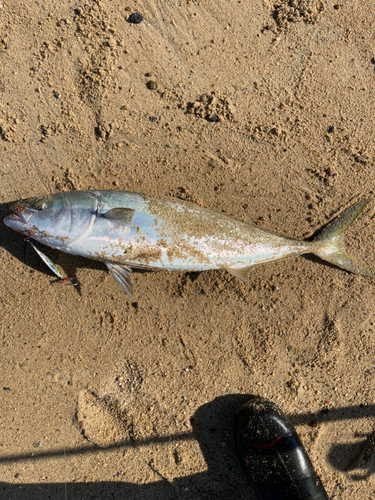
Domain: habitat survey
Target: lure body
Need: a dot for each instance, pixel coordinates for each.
(47, 261)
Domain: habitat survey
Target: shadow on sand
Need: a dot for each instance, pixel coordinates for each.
(212, 424)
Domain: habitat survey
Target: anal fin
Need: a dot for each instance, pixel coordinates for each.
(243, 273)
(123, 276)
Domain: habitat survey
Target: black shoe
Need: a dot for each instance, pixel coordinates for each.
(272, 455)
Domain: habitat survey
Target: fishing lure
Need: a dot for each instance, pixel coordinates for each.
(46, 260)
(63, 281)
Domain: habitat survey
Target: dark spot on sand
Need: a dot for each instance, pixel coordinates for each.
(151, 85)
(135, 18)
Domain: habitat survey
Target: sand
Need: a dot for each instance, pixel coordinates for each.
(263, 110)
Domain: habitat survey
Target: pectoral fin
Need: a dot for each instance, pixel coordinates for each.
(242, 274)
(123, 215)
(123, 276)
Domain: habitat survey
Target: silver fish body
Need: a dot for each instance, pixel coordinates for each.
(126, 229)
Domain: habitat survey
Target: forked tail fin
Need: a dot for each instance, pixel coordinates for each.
(328, 245)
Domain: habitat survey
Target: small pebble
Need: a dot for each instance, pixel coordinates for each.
(151, 85)
(330, 129)
(214, 118)
(128, 9)
(330, 172)
(135, 18)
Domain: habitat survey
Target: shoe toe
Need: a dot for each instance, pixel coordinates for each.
(272, 455)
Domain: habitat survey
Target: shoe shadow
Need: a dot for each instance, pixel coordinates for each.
(213, 429)
(357, 455)
(346, 457)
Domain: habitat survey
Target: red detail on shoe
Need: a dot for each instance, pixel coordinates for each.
(267, 445)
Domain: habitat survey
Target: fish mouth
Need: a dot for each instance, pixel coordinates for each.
(19, 219)
(22, 216)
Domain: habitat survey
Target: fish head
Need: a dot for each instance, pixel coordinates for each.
(54, 220)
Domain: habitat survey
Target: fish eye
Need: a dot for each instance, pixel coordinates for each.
(40, 205)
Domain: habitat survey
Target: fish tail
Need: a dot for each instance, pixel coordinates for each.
(329, 246)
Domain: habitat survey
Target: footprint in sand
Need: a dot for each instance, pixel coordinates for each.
(101, 420)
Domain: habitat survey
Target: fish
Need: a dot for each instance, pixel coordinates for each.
(128, 230)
